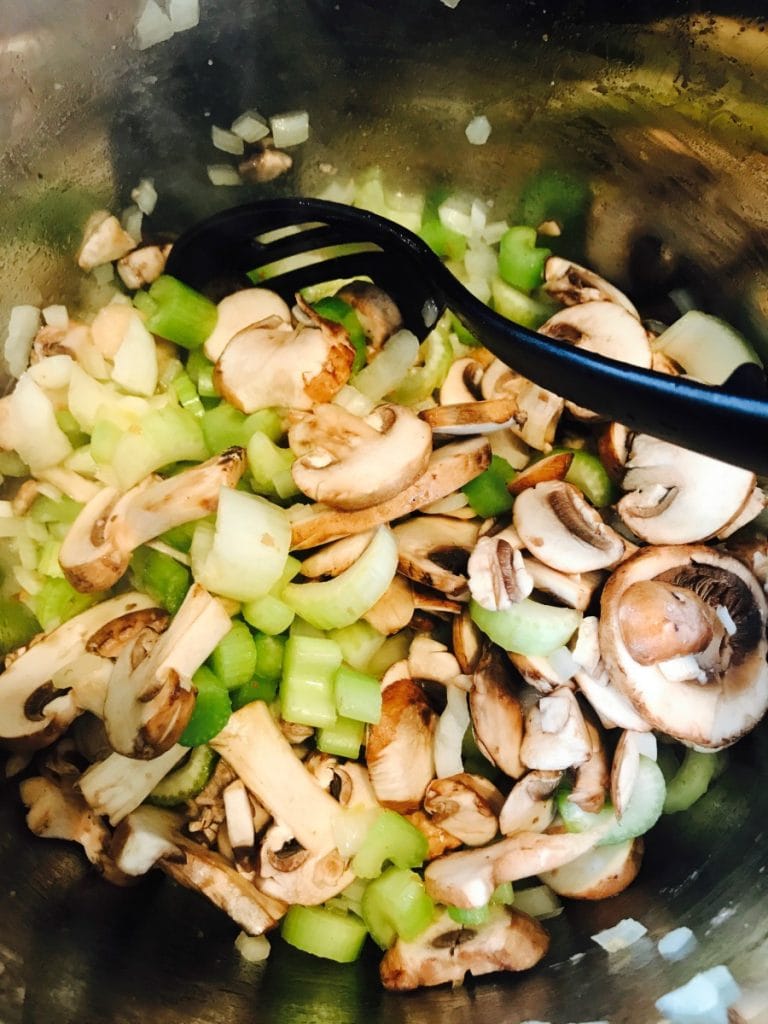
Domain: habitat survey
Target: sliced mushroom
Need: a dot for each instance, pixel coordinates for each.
(117, 785)
(556, 736)
(611, 706)
(265, 164)
(510, 447)
(241, 310)
(238, 815)
(465, 805)
(104, 240)
(752, 508)
(142, 266)
(529, 806)
(462, 382)
(538, 672)
(626, 766)
(291, 873)
(98, 546)
(497, 717)
(551, 467)
(542, 409)
(559, 526)
(399, 748)
(431, 550)
(394, 609)
(266, 365)
(498, 578)
(467, 642)
(449, 468)
(605, 328)
(592, 777)
(33, 712)
(613, 445)
(572, 285)
(439, 840)
(378, 315)
(734, 694)
(475, 417)
(677, 496)
(333, 559)
(507, 941)
(430, 660)
(352, 463)
(599, 873)
(150, 698)
(573, 589)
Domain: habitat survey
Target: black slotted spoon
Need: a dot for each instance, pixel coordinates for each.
(728, 422)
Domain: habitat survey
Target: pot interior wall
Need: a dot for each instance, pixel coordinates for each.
(667, 122)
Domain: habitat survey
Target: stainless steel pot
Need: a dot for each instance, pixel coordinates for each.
(667, 120)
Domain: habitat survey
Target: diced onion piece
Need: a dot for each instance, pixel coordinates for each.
(145, 196)
(677, 944)
(354, 401)
(564, 663)
(135, 365)
(184, 14)
(250, 126)
(449, 734)
(22, 328)
(726, 618)
(38, 438)
(53, 372)
(340, 601)
(253, 948)
(390, 366)
(245, 555)
(227, 142)
(493, 233)
(223, 174)
(430, 313)
(131, 219)
(478, 130)
(153, 26)
(454, 215)
(453, 4)
(538, 901)
(56, 316)
(290, 129)
(703, 1000)
(481, 261)
(337, 191)
(681, 669)
(622, 935)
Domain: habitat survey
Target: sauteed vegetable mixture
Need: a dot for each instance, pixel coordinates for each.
(358, 636)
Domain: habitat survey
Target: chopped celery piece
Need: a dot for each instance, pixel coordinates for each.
(268, 614)
(17, 625)
(161, 576)
(180, 537)
(211, 712)
(200, 370)
(521, 263)
(57, 601)
(187, 780)
(436, 353)
(306, 690)
(270, 467)
(336, 309)
(11, 464)
(256, 689)
(180, 314)
(104, 440)
(49, 559)
(358, 695)
(396, 904)
(144, 304)
(292, 568)
(641, 813)
(69, 425)
(342, 739)
(504, 894)
(233, 659)
(224, 426)
(461, 332)
(391, 838)
(591, 477)
(187, 394)
(517, 306)
(300, 627)
(162, 437)
(270, 652)
(48, 510)
(394, 648)
(528, 627)
(358, 642)
(692, 779)
(472, 917)
(488, 494)
(562, 196)
(324, 933)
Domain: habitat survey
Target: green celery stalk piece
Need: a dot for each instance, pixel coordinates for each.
(390, 838)
(521, 263)
(186, 781)
(17, 625)
(324, 933)
(342, 739)
(211, 711)
(268, 614)
(181, 314)
(358, 695)
(233, 660)
(396, 904)
(527, 627)
(306, 691)
(57, 601)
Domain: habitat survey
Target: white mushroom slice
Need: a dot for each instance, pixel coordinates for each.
(497, 717)
(33, 712)
(556, 736)
(241, 310)
(399, 748)
(613, 446)
(333, 559)
(735, 696)
(98, 546)
(143, 265)
(559, 526)
(598, 874)
(449, 469)
(498, 577)
(468, 878)
(605, 328)
(426, 543)
(117, 785)
(586, 649)
(529, 806)
(592, 777)
(104, 240)
(510, 447)
(428, 659)
(467, 806)
(239, 817)
(573, 589)
(466, 641)
(378, 315)
(150, 698)
(507, 941)
(753, 506)
(572, 285)
(394, 609)
(293, 874)
(462, 382)
(475, 417)
(265, 366)
(679, 497)
(352, 463)
(427, 600)
(551, 467)
(626, 766)
(542, 409)
(613, 709)
(538, 672)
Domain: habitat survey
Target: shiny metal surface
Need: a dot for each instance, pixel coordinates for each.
(668, 120)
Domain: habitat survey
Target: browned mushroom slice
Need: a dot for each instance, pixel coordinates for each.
(431, 549)
(378, 315)
(399, 748)
(394, 609)
(352, 463)
(465, 805)
(334, 558)
(497, 717)
(449, 469)
(542, 409)
(265, 164)
(428, 659)
(117, 785)
(98, 546)
(529, 806)
(573, 285)
(722, 690)
(613, 448)
(104, 240)
(679, 497)
(592, 776)
(475, 417)
(462, 383)
(439, 840)
(563, 530)
(266, 365)
(508, 941)
(551, 467)
(467, 642)
(598, 874)
(143, 265)
(538, 672)
(242, 309)
(556, 736)
(626, 766)
(33, 712)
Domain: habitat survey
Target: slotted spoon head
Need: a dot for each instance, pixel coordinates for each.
(291, 244)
